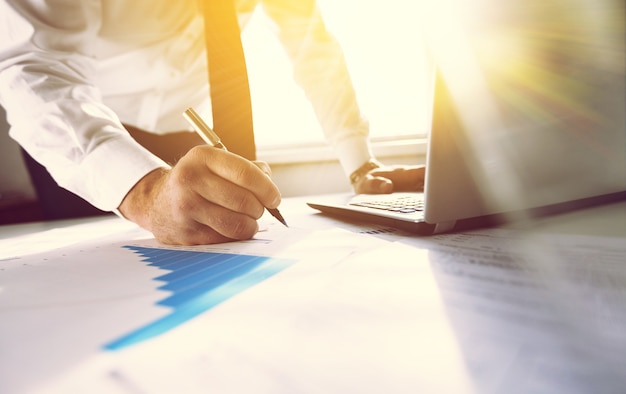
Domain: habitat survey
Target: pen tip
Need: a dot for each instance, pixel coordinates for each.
(278, 216)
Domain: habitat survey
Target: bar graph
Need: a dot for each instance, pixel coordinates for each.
(197, 281)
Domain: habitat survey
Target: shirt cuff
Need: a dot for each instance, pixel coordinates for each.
(353, 152)
(107, 184)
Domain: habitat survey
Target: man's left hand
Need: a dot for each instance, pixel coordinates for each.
(387, 179)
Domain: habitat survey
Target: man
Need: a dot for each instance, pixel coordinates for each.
(88, 84)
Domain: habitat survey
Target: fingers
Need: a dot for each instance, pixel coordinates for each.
(241, 172)
(178, 214)
(392, 178)
(199, 235)
(263, 166)
(404, 178)
(218, 194)
(370, 184)
(202, 224)
(209, 196)
(213, 191)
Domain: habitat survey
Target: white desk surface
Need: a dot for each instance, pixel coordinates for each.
(362, 310)
(604, 220)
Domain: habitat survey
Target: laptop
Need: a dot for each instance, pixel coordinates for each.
(528, 118)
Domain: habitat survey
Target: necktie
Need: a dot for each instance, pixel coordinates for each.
(228, 78)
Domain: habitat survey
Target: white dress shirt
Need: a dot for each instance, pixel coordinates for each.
(72, 74)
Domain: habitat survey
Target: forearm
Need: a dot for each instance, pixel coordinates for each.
(57, 115)
(320, 69)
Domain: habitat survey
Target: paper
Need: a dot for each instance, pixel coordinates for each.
(374, 322)
(535, 312)
(66, 304)
(367, 310)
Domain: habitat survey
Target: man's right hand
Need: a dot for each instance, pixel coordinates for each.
(209, 196)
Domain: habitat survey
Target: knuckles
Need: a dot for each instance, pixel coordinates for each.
(236, 227)
(183, 217)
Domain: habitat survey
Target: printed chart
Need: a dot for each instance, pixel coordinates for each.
(198, 281)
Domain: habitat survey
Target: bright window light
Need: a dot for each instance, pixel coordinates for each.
(387, 60)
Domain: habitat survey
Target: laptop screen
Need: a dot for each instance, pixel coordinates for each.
(530, 104)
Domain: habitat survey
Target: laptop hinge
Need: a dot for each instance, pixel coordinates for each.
(443, 227)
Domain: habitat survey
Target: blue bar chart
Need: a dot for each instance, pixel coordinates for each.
(197, 281)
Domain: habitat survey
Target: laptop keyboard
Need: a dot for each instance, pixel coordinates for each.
(389, 202)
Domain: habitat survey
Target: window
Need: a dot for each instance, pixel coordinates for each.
(386, 58)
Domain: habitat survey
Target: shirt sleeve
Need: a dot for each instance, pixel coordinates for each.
(56, 113)
(320, 69)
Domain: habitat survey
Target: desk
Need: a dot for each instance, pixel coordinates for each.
(342, 308)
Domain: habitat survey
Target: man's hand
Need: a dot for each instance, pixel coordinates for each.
(387, 179)
(209, 196)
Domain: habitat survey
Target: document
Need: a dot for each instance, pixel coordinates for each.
(369, 323)
(74, 297)
(333, 309)
(535, 312)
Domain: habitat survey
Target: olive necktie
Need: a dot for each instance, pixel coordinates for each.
(228, 78)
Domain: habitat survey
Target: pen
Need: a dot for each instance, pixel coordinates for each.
(209, 136)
